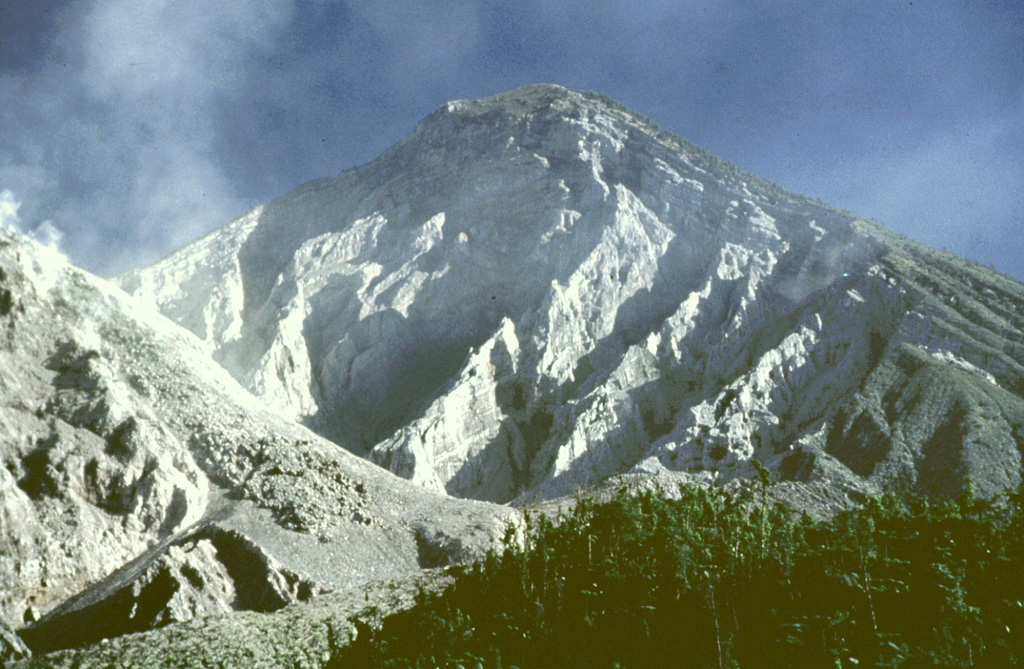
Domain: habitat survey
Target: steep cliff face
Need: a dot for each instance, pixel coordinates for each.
(539, 290)
(141, 485)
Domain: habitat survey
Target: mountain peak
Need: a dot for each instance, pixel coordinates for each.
(540, 289)
(557, 104)
(523, 101)
(531, 294)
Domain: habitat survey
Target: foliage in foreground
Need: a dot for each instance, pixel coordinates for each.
(709, 580)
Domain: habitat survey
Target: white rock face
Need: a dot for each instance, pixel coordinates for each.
(449, 447)
(539, 290)
(138, 475)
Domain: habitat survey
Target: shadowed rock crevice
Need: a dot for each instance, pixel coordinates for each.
(212, 571)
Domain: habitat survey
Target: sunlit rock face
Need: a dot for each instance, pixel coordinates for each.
(536, 291)
(141, 485)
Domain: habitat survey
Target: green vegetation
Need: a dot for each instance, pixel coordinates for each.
(712, 580)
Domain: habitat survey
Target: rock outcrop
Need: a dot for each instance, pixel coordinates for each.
(140, 485)
(12, 648)
(307, 634)
(539, 290)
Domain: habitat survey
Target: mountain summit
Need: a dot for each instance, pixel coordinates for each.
(539, 290)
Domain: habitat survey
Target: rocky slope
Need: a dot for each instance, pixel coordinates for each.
(535, 291)
(306, 634)
(140, 485)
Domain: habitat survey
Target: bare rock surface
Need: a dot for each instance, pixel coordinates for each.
(140, 485)
(303, 635)
(12, 648)
(536, 291)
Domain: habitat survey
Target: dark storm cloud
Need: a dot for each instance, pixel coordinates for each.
(138, 125)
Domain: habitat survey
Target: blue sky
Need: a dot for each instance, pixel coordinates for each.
(133, 126)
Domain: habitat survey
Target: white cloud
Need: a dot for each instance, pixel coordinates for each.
(183, 50)
(46, 233)
(115, 133)
(9, 206)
